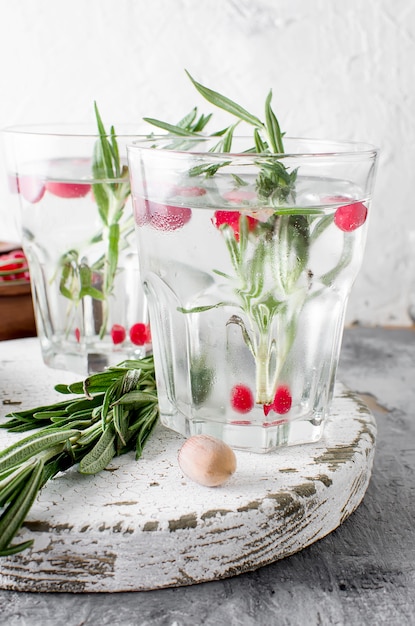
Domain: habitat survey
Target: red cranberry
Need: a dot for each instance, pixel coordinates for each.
(242, 399)
(13, 183)
(239, 196)
(118, 334)
(160, 216)
(140, 334)
(282, 401)
(67, 190)
(190, 192)
(350, 216)
(140, 208)
(31, 188)
(232, 219)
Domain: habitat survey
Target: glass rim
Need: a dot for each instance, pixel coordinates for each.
(338, 148)
(75, 130)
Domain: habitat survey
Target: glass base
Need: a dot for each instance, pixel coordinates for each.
(251, 437)
(86, 362)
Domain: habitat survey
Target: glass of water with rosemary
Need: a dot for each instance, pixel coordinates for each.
(78, 235)
(248, 247)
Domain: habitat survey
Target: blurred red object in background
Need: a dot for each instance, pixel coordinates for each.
(16, 306)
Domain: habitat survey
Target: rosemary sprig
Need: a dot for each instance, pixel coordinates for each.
(116, 413)
(282, 243)
(111, 190)
(270, 279)
(274, 182)
(286, 255)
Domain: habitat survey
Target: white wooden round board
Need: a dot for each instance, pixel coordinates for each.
(143, 525)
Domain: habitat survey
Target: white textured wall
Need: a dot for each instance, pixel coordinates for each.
(338, 69)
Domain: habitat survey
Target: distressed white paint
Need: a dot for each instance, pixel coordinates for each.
(144, 525)
(338, 70)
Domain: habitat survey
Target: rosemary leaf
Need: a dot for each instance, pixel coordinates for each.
(113, 243)
(136, 397)
(145, 431)
(202, 309)
(207, 170)
(90, 434)
(110, 394)
(19, 547)
(101, 454)
(171, 128)
(115, 153)
(236, 319)
(226, 104)
(9, 483)
(101, 191)
(32, 445)
(227, 138)
(273, 127)
(260, 145)
(187, 121)
(15, 514)
(106, 162)
(120, 422)
(201, 123)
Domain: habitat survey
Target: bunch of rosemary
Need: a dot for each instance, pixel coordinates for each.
(116, 413)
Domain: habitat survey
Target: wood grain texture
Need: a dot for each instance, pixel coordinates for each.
(362, 573)
(91, 532)
(16, 312)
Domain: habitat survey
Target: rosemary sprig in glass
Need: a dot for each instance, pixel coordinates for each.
(274, 182)
(269, 258)
(111, 190)
(115, 413)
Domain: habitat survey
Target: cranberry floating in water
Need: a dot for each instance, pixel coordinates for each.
(160, 216)
(165, 217)
(67, 190)
(239, 196)
(13, 183)
(350, 216)
(232, 219)
(31, 188)
(190, 192)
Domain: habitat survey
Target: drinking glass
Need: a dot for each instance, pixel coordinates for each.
(247, 261)
(77, 232)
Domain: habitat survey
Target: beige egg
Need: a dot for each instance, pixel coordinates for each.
(207, 460)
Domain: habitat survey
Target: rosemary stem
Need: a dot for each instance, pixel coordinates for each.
(262, 371)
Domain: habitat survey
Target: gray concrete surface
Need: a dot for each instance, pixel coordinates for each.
(361, 574)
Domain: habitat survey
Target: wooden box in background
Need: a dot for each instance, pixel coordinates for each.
(16, 306)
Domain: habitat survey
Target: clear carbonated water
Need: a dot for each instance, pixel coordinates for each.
(247, 312)
(82, 324)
